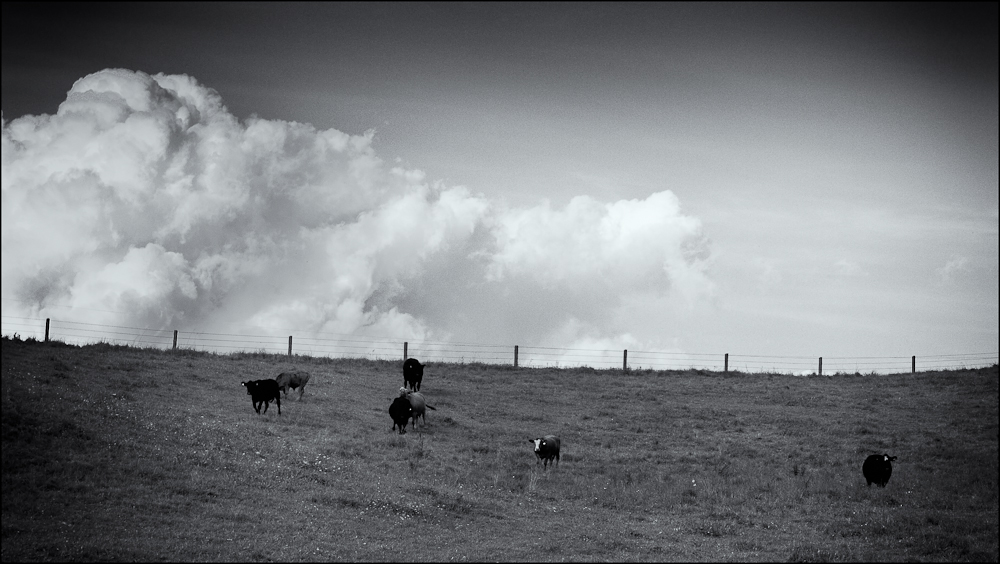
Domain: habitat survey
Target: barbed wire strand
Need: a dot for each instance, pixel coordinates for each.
(354, 346)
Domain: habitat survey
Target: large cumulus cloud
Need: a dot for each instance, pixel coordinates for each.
(144, 202)
(627, 244)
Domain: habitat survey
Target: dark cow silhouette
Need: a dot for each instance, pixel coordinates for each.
(262, 392)
(295, 379)
(400, 411)
(546, 448)
(413, 374)
(877, 469)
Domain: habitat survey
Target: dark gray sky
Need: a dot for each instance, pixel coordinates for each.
(840, 158)
(400, 50)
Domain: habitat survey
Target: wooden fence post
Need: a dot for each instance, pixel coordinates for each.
(406, 345)
(289, 345)
(515, 356)
(625, 360)
(175, 339)
(913, 365)
(726, 369)
(820, 366)
(46, 329)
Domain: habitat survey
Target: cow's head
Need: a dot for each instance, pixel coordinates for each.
(250, 386)
(539, 444)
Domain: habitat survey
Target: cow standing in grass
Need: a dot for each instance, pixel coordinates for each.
(400, 411)
(418, 405)
(263, 392)
(295, 379)
(877, 469)
(546, 448)
(413, 374)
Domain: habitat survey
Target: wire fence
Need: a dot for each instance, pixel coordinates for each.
(351, 346)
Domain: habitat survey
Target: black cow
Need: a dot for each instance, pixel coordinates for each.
(546, 448)
(400, 411)
(262, 392)
(295, 379)
(877, 469)
(413, 373)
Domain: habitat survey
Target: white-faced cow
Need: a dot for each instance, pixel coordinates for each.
(400, 411)
(877, 469)
(546, 448)
(413, 374)
(263, 392)
(295, 379)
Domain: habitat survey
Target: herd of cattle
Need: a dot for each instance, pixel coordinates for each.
(411, 405)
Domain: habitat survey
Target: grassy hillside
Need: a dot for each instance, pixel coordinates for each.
(117, 453)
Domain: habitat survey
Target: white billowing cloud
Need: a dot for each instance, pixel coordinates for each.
(629, 244)
(146, 282)
(580, 262)
(144, 202)
(142, 192)
(585, 345)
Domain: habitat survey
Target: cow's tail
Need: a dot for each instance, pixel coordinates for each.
(432, 407)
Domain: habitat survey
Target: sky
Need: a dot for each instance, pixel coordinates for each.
(748, 178)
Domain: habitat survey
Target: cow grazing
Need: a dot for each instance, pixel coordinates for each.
(262, 392)
(295, 379)
(418, 404)
(413, 374)
(400, 411)
(546, 448)
(877, 469)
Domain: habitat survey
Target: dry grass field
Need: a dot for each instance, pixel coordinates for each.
(119, 453)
